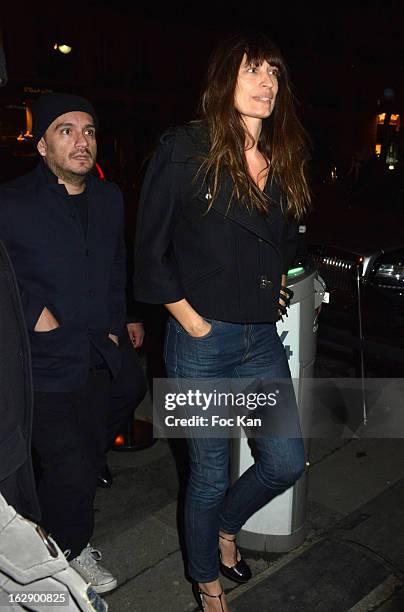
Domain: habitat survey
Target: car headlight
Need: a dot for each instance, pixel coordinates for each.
(388, 272)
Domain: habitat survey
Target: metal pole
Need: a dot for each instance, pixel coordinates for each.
(358, 288)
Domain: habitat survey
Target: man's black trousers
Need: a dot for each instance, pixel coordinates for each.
(68, 436)
(127, 391)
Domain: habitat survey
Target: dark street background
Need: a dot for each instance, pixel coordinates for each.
(142, 66)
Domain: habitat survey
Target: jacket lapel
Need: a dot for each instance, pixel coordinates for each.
(264, 227)
(190, 144)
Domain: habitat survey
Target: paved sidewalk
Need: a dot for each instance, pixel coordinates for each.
(351, 561)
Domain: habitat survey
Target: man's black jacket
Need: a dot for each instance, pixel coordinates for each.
(226, 262)
(80, 279)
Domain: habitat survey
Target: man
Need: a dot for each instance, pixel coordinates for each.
(63, 229)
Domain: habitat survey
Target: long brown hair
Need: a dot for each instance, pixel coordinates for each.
(283, 140)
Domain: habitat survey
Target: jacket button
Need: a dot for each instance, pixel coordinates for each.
(265, 283)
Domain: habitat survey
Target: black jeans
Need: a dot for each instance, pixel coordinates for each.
(68, 436)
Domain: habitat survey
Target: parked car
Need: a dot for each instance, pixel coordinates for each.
(355, 238)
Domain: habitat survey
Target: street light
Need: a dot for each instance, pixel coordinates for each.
(63, 48)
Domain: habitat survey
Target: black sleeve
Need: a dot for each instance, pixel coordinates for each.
(156, 279)
(290, 241)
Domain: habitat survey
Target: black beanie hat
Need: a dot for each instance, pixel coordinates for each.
(50, 106)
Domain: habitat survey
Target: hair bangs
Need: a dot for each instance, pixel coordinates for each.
(258, 52)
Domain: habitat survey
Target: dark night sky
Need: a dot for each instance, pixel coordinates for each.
(342, 55)
(313, 36)
(291, 24)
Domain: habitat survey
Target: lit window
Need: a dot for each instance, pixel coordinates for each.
(395, 120)
(381, 118)
(378, 149)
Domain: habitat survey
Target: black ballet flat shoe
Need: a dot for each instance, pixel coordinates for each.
(199, 599)
(239, 572)
(104, 477)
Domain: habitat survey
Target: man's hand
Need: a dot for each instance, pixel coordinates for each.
(136, 334)
(114, 338)
(46, 321)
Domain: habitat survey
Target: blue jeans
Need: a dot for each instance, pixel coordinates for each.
(230, 350)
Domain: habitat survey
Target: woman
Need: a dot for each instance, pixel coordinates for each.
(217, 230)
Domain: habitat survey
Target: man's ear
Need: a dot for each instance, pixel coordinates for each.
(41, 146)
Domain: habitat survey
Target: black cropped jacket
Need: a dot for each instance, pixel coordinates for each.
(226, 262)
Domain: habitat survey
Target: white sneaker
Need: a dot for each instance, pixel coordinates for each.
(86, 564)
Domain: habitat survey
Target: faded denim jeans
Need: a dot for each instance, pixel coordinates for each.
(230, 350)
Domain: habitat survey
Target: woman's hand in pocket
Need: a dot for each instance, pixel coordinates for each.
(198, 329)
(189, 319)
